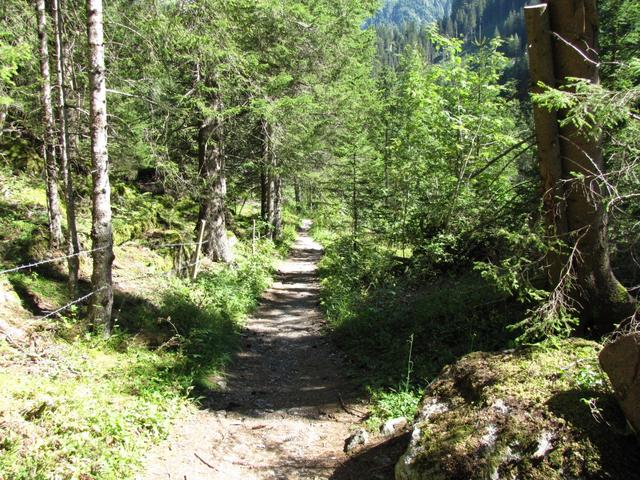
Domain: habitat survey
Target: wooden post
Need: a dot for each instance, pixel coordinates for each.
(178, 261)
(541, 69)
(253, 238)
(198, 250)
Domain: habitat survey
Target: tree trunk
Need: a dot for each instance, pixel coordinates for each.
(546, 122)
(267, 180)
(73, 244)
(101, 232)
(277, 207)
(297, 194)
(3, 117)
(53, 200)
(264, 193)
(212, 206)
(602, 299)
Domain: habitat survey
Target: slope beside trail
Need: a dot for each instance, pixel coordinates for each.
(286, 405)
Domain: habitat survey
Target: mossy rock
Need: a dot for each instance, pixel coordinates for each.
(542, 413)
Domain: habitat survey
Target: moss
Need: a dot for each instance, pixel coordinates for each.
(621, 294)
(541, 413)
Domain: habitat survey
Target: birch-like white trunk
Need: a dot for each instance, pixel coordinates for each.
(51, 172)
(73, 244)
(101, 232)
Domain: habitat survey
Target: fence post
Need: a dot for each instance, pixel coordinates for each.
(198, 250)
(253, 238)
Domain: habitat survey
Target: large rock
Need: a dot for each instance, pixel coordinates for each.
(538, 414)
(621, 360)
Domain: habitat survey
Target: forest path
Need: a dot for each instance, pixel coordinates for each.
(282, 409)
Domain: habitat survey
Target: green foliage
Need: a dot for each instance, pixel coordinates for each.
(12, 56)
(374, 305)
(94, 414)
(520, 273)
(391, 403)
(101, 404)
(206, 315)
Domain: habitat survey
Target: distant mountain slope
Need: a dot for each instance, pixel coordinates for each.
(398, 12)
(478, 19)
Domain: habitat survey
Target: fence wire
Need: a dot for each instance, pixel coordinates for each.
(87, 252)
(119, 282)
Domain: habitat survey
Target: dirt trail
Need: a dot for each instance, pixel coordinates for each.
(280, 413)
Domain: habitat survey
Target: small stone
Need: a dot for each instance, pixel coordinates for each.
(358, 439)
(545, 445)
(392, 426)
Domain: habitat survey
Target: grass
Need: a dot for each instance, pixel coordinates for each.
(90, 414)
(75, 406)
(89, 408)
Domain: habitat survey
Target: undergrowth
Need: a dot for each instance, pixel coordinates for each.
(375, 303)
(89, 408)
(84, 408)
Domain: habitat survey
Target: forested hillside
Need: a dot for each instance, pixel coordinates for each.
(319, 239)
(397, 12)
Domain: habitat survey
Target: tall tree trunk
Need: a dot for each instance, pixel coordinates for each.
(3, 117)
(277, 207)
(603, 300)
(547, 135)
(73, 244)
(53, 200)
(267, 184)
(212, 205)
(264, 193)
(297, 194)
(101, 232)
(73, 97)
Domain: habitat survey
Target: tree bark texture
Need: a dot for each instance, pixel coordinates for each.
(268, 180)
(277, 207)
(550, 163)
(51, 170)
(101, 232)
(573, 30)
(73, 244)
(212, 205)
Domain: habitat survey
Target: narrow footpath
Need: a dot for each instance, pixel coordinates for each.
(285, 406)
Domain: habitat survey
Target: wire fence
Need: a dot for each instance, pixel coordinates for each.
(184, 268)
(88, 252)
(181, 268)
(49, 260)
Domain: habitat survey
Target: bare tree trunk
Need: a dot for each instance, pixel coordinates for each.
(267, 184)
(212, 206)
(73, 244)
(277, 207)
(297, 194)
(3, 117)
(264, 192)
(546, 123)
(577, 210)
(53, 200)
(101, 232)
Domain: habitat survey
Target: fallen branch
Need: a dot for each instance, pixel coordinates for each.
(351, 411)
(204, 461)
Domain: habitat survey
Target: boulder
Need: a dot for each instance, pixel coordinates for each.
(356, 441)
(621, 361)
(539, 413)
(393, 426)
